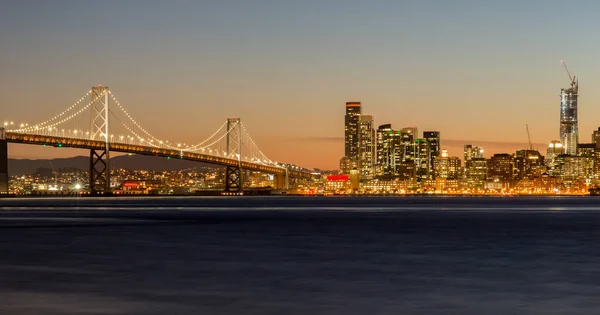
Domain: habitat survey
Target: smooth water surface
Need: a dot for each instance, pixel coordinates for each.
(288, 255)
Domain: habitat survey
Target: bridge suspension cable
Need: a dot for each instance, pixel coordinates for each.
(258, 154)
(231, 140)
(135, 123)
(51, 123)
(199, 145)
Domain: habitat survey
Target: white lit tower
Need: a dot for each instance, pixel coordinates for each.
(569, 133)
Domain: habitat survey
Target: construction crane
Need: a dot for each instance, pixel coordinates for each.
(529, 138)
(572, 78)
(55, 173)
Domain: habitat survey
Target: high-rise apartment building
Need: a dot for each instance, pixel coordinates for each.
(366, 147)
(351, 119)
(569, 132)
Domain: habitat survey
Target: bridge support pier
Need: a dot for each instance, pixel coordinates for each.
(99, 172)
(3, 163)
(233, 180)
(280, 181)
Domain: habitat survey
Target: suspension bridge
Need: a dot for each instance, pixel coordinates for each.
(100, 123)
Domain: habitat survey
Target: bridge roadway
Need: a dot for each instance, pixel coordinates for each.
(13, 137)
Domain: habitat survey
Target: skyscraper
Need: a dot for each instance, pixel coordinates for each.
(366, 147)
(389, 154)
(422, 160)
(409, 134)
(353, 111)
(433, 145)
(569, 133)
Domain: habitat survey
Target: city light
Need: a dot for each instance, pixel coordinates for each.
(380, 161)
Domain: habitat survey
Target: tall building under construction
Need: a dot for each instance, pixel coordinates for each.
(569, 131)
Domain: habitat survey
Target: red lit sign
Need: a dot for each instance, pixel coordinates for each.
(337, 177)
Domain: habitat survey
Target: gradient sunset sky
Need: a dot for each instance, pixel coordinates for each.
(477, 71)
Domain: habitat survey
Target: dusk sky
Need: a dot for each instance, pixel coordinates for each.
(477, 71)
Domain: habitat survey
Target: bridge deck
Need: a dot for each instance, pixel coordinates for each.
(13, 137)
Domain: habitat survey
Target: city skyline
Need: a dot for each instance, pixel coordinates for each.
(285, 62)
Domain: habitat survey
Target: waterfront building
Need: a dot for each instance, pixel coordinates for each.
(337, 184)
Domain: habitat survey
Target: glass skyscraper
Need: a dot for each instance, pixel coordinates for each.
(353, 111)
(569, 133)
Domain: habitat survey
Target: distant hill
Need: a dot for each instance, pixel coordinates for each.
(132, 162)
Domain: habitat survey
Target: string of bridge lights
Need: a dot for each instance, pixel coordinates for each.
(264, 156)
(196, 146)
(161, 142)
(221, 138)
(141, 139)
(136, 123)
(50, 124)
(21, 129)
(47, 125)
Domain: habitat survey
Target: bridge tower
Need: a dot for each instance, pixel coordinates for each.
(3, 163)
(100, 158)
(233, 174)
